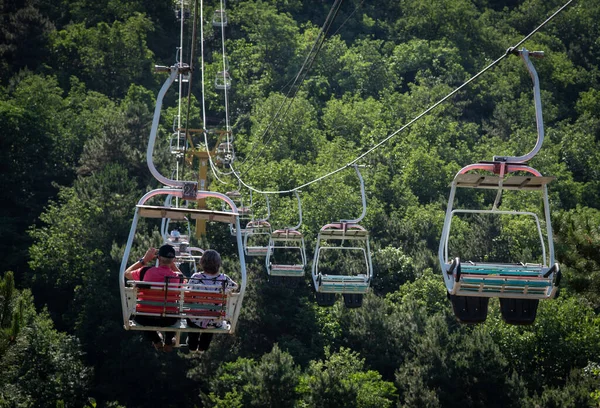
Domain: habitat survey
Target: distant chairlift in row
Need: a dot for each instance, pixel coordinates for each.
(188, 261)
(222, 80)
(519, 286)
(244, 211)
(286, 257)
(258, 234)
(182, 13)
(224, 154)
(178, 142)
(342, 260)
(219, 18)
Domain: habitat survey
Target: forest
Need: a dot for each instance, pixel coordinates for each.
(78, 91)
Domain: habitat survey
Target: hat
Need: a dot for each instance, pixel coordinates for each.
(166, 251)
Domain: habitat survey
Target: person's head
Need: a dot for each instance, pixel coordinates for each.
(175, 235)
(166, 254)
(210, 261)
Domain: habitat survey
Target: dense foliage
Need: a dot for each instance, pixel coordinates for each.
(77, 95)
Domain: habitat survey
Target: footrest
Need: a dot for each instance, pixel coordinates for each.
(353, 300)
(470, 309)
(325, 299)
(519, 311)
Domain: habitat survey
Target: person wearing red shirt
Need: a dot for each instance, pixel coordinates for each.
(163, 272)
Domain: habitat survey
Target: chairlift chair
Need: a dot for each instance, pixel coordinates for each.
(257, 235)
(220, 18)
(225, 154)
(179, 300)
(244, 211)
(190, 259)
(182, 13)
(176, 299)
(222, 80)
(177, 142)
(343, 237)
(520, 286)
(287, 242)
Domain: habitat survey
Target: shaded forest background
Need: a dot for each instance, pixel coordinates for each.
(77, 94)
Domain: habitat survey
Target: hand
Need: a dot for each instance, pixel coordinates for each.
(150, 255)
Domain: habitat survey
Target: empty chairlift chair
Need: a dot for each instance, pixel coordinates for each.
(225, 155)
(332, 275)
(519, 286)
(258, 234)
(222, 80)
(244, 211)
(286, 256)
(219, 18)
(177, 143)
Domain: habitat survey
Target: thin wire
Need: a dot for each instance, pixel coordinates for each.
(202, 69)
(310, 58)
(190, 76)
(225, 71)
(508, 52)
(348, 18)
(213, 167)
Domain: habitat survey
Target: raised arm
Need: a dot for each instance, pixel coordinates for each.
(147, 258)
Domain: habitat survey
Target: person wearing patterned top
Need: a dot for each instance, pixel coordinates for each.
(210, 262)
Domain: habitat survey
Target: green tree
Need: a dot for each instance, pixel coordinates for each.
(39, 366)
(269, 382)
(340, 380)
(108, 58)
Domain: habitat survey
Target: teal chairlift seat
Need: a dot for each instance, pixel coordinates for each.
(519, 286)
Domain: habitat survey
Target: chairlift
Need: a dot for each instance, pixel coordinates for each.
(182, 13)
(222, 80)
(258, 234)
(345, 237)
(178, 143)
(244, 211)
(287, 244)
(519, 286)
(220, 18)
(186, 255)
(225, 154)
(179, 300)
(176, 300)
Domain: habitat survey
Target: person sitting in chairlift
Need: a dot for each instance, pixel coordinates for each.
(175, 235)
(165, 270)
(210, 263)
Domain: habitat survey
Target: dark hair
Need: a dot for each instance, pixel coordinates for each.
(210, 261)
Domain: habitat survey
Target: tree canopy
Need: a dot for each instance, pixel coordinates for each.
(78, 94)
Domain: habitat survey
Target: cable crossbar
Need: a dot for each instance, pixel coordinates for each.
(425, 112)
